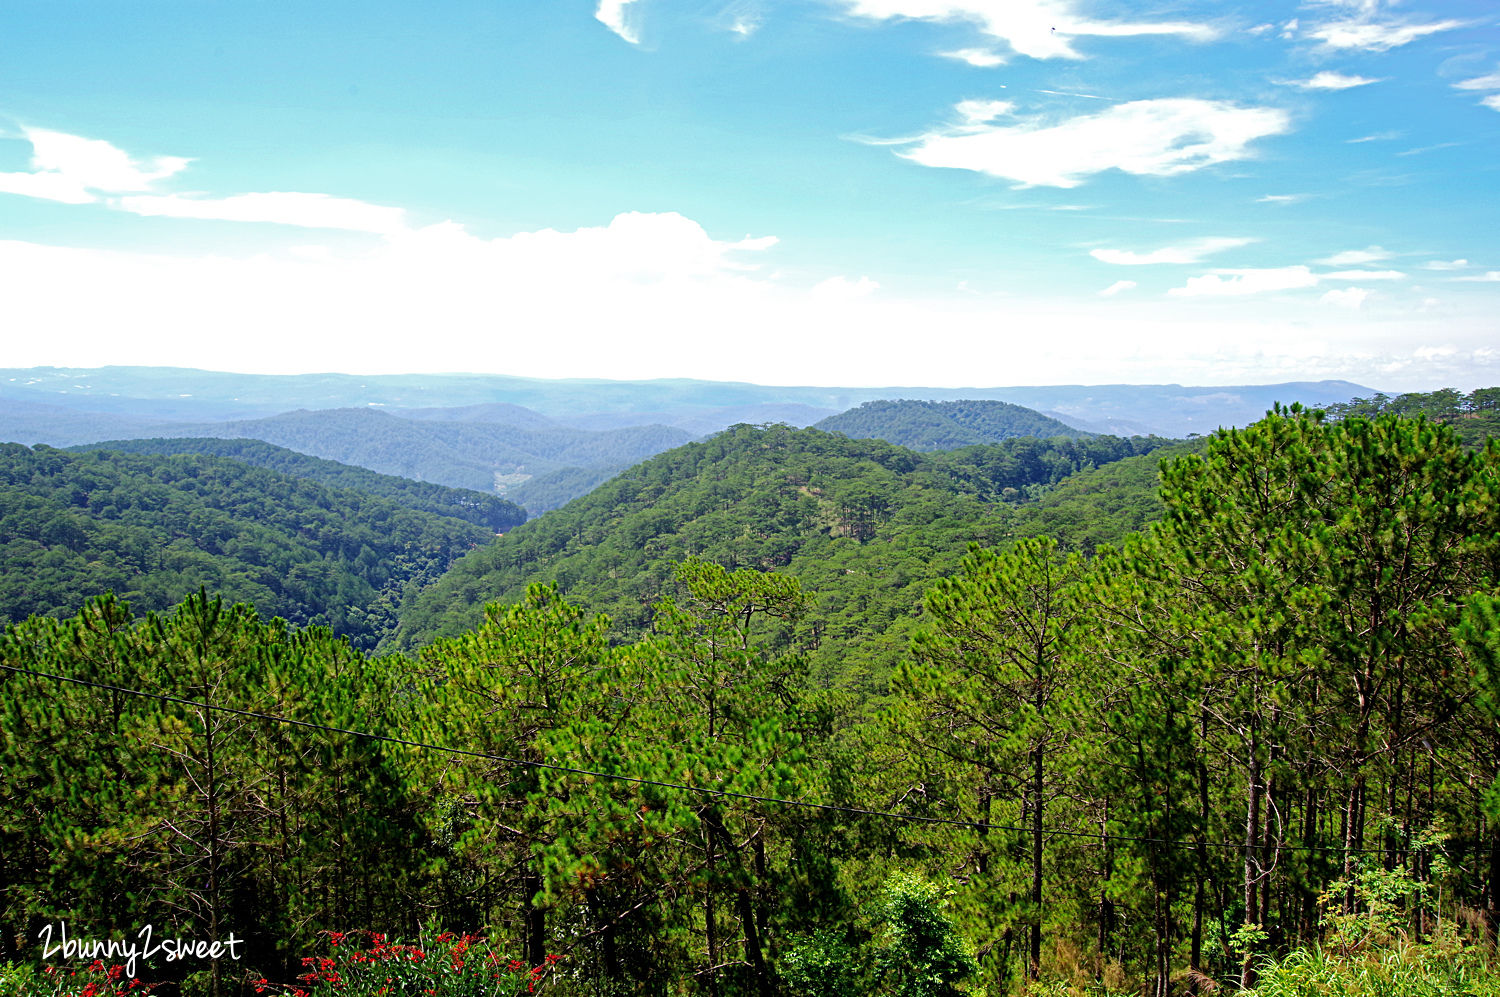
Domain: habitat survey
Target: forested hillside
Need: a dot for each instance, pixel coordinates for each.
(487, 510)
(479, 456)
(1265, 728)
(865, 524)
(154, 529)
(500, 448)
(920, 425)
(1475, 417)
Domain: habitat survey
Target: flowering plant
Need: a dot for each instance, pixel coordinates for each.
(98, 980)
(366, 964)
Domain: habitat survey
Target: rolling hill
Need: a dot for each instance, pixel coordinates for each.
(865, 524)
(923, 425)
(154, 529)
(475, 507)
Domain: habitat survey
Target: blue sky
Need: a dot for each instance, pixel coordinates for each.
(861, 192)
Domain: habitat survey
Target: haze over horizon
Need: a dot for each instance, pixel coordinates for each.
(944, 193)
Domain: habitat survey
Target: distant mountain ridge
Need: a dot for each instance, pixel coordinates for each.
(924, 425)
(181, 393)
(541, 442)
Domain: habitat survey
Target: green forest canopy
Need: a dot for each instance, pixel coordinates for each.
(863, 523)
(153, 529)
(1212, 742)
(930, 425)
(479, 508)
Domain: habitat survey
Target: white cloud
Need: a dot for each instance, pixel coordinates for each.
(981, 112)
(98, 164)
(1373, 36)
(843, 289)
(1356, 257)
(1040, 29)
(982, 58)
(1236, 283)
(1363, 275)
(74, 170)
(1280, 198)
(1489, 82)
(1117, 287)
(1329, 80)
(632, 297)
(1446, 265)
(1488, 277)
(1492, 102)
(47, 186)
(1377, 137)
(1192, 251)
(278, 207)
(616, 16)
(1146, 137)
(1348, 297)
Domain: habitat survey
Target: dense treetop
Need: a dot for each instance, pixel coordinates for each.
(863, 523)
(155, 528)
(1475, 416)
(1265, 726)
(479, 508)
(929, 425)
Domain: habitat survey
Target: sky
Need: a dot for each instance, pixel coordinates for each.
(842, 192)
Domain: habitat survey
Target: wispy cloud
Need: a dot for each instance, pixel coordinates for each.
(1363, 275)
(1330, 80)
(1070, 93)
(1370, 35)
(1446, 265)
(982, 58)
(1376, 137)
(1490, 81)
(276, 207)
(75, 170)
(977, 113)
(1117, 287)
(1419, 150)
(1147, 137)
(1237, 283)
(742, 18)
(1356, 257)
(1192, 251)
(1280, 198)
(1488, 277)
(617, 17)
(1346, 297)
(1040, 29)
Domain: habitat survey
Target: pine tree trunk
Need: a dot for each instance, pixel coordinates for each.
(1252, 837)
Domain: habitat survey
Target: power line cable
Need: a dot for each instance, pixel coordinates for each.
(704, 791)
